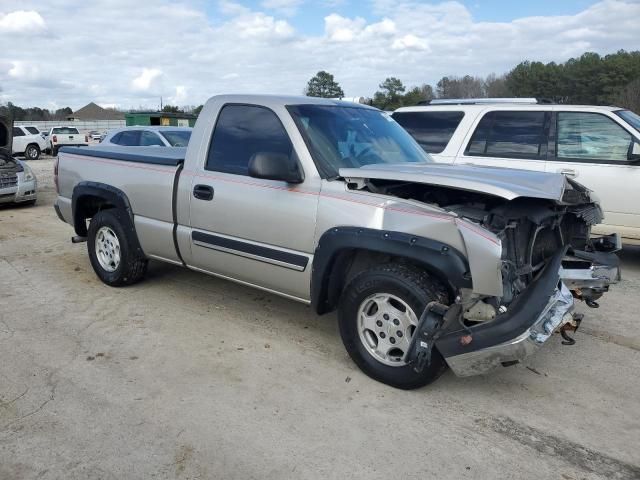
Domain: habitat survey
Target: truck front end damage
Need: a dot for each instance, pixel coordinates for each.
(548, 261)
(541, 245)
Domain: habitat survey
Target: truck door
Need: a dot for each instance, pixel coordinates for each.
(255, 231)
(597, 151)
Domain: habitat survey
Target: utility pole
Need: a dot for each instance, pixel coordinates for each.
(160, 103)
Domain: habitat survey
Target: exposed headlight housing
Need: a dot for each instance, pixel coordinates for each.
(28, 174)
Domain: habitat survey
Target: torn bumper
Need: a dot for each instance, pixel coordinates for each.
(531, 319)
(553, 317)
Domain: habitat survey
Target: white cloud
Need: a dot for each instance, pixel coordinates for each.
(342, 29)
(23, 71)
(261, 25)
(145, 80)
(410, 42)
(180, 96)
(133, 52)
(22, 21)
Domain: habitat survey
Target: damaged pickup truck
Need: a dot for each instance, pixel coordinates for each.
(335, 205)
(18, 183)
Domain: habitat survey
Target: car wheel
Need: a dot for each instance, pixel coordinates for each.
(54, 151)
(32, 152)
(378, 314)
(111, 249)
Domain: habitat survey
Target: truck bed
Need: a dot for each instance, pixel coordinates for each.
(170, 157)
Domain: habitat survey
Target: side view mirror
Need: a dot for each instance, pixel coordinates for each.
(275, 166)
(634, 152)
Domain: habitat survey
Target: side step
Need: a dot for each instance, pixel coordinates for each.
(78, 239)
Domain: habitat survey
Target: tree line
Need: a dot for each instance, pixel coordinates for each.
(589, 79)
(33, 113)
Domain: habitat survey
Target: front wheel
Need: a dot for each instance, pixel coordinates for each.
(378, 315)
(111, 249)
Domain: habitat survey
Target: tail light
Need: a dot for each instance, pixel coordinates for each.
(55, 174)
(54, 138)
(86, 139)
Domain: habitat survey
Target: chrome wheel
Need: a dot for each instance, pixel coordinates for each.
(107, 249)
(385, 326)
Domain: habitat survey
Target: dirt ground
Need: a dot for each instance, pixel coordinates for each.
(187, 376)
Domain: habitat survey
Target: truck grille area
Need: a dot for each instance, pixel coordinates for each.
(8, 180)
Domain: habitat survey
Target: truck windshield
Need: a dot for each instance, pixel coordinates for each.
(351, 137)
(631, 118)
(177, 138)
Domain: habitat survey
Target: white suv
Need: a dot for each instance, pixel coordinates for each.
(28, 141)
(598, 146)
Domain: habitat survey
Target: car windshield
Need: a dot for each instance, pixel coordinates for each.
(630, 117)
(66, 130)
(351, 137)
(177, 138)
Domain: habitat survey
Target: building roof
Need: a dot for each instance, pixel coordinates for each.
(95, 112)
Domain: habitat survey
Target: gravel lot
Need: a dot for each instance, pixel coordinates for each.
(188, 376)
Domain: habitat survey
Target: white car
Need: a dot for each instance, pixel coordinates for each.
(148, 137)
(28, 141)
(598, 146)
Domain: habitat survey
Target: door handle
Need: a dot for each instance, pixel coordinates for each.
(569, 172)
(203, 192)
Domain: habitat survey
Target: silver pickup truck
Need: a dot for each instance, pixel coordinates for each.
(333, 204)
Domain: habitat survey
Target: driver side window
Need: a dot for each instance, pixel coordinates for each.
(242, 131)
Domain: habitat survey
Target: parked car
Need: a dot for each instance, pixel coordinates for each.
(335, 205)
(28, 143)
(96, 135)
(18, 183)
(598, 146)
(149, 137)
(66, 136)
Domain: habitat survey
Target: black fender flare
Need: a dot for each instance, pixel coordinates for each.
(107, 195)
(339, 243)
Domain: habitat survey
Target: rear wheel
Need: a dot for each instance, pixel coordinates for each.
(54, 151)
(32, 152)
(378, 314)
(111, 249)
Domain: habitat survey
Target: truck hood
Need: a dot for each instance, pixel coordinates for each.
(6, 138)
(506, 183)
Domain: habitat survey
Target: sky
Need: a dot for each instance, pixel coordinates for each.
(128, 54)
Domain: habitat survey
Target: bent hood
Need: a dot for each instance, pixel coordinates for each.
(5, 138)
(506, 183)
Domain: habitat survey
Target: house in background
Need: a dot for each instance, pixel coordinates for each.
(93, 112)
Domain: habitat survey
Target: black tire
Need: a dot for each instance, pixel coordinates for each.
(54, 151)
(32, 152)
(133, 265)
(414, 287)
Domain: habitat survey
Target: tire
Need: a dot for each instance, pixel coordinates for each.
(403, 286)
(54, 151)
(116, 260)
(32, 152)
